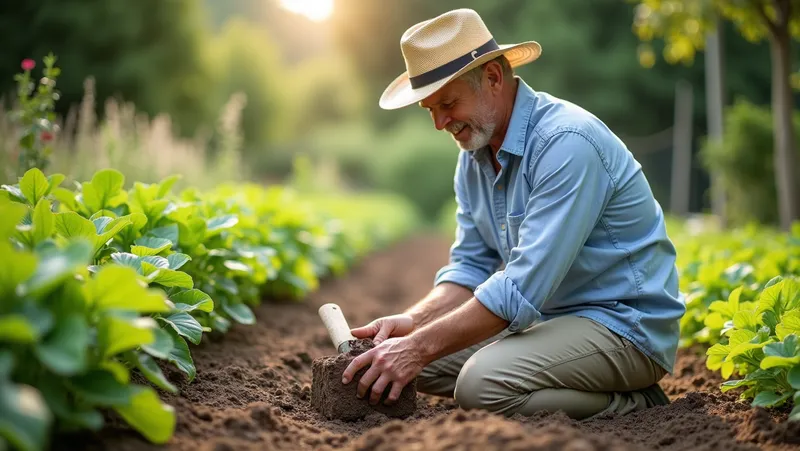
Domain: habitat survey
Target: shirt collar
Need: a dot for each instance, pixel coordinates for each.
(514, 141)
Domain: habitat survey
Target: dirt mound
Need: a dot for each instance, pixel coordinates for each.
(253, 390)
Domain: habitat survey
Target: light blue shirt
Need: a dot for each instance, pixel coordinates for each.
(569, 226)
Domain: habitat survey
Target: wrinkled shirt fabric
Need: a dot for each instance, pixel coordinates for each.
(568, 226)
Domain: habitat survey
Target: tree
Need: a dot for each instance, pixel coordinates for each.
(684, 23)
(149, 52)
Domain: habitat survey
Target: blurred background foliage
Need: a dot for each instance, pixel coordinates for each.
(150, 87)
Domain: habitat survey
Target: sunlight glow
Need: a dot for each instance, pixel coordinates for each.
(316, 10)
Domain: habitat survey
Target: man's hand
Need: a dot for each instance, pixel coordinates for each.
(383, 328)
(396, 361)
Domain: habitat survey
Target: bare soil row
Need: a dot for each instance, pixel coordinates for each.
(252, 390)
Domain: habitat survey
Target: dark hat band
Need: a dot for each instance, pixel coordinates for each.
(452, 67)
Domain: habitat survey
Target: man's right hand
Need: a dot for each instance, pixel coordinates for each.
(383, 328)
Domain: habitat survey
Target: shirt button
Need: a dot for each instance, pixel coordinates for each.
(500, 187)
(502, 226)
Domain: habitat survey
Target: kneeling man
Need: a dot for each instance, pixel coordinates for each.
(561, 291)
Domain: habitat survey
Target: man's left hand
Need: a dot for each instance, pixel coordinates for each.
(396, 361)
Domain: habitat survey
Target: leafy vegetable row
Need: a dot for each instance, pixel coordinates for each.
(100, 281)
(743, 304)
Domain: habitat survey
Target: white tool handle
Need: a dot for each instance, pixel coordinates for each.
(334, 321)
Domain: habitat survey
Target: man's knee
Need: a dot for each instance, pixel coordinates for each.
(432, 381)
(480, 385)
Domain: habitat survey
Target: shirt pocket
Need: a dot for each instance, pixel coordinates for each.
(514, 221)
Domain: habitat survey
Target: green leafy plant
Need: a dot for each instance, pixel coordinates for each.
(70, 337)
(761, 344)
(714, 264)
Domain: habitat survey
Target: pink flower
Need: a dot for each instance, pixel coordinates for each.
(28, 64)
(46, 136)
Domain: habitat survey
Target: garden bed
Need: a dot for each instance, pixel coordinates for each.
(252, 389)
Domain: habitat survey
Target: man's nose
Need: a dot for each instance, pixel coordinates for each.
(441, 120)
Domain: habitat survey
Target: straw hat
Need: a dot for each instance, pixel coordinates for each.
(441, 49)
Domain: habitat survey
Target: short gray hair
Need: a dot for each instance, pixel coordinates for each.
(474, 76)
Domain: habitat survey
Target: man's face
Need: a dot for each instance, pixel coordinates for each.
(469, 116)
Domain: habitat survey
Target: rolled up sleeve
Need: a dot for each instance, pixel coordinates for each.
(571, 187)
(471, 261)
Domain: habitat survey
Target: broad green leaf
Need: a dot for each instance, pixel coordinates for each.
(43, 221)
(117, 369)
(727, 369)
(219, 323)
(56, 266)
(794, 415)
(58, 396)
(177, 260)
(191, 233)
(101, 388)
(785, 353)
(769, 399)
(790, 324)
(64, 349)
(745, 319)
(100, 223)
(780, 297)
(170, 278)
(194, 299)
(128, 259)
(733, 384)
(217, 224)
(15, 268)
(118, 287)
(186, 325)
(162, 346)
(72, 225)
(53, 180)
(104, 190)
(169, 233)
(152, 372)
(240, 313)
(793, 377)
(110, 230)
(180, 355)
(157, 261)
(11, 214)
(770, 319)
(148, 269)
(66, 198)
(165, 185)
(714, 320)
(146, 413)
(25, 419)
(116, 335)
(148, 245)
(14, 193)
(34, 185)
(16, 328)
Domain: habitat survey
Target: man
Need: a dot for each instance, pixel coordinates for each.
(561, 292)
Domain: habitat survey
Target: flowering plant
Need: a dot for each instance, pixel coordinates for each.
(34, 115)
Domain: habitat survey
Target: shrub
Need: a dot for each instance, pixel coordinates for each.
(744, 162)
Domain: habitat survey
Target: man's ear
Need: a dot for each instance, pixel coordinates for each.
(494, 76)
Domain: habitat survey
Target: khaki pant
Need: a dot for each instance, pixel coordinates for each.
(568, 363)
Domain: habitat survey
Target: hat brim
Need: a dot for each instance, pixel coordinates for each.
(400, 94)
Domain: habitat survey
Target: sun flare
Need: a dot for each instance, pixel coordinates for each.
(316, 10)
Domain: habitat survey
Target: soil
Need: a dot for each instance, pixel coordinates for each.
(253, 389)
(333, 399)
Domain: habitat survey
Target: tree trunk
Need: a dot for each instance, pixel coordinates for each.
(785, 160)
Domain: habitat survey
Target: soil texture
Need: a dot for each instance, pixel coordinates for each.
(253, 389)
